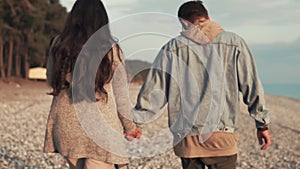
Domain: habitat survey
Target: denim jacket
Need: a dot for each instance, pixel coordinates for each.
(198, 75)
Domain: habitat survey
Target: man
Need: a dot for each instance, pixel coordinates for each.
(200, 75)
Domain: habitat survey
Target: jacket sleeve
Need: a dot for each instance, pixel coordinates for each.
(251, 87)
(153, 95)
(121, 93)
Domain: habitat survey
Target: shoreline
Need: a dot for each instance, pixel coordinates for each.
(19, 82)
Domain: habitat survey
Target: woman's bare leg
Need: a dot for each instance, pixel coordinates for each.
(75, 163)
(94, 164)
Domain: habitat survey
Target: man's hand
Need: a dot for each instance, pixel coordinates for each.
(136, 134)
(264, 139)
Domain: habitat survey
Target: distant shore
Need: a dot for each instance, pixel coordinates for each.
(291, 91)
(287, 90)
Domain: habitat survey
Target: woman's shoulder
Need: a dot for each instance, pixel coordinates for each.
(52, 43)
(54, 40)
(117, 54)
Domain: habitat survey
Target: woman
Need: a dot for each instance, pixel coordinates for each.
(71, 61)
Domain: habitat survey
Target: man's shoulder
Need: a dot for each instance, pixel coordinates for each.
(230, 38)
(175, 42)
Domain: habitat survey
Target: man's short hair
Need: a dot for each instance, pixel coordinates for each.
(191, 10)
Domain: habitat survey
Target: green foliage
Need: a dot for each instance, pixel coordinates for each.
(30, 24)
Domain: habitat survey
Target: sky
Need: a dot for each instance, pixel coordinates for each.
(270, 28)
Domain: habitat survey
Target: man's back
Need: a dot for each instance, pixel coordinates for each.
(199, 75)
(195, 74)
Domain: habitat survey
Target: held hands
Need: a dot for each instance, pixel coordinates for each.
(264, 139)
(136, 134)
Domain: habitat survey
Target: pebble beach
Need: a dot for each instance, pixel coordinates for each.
(24, 108)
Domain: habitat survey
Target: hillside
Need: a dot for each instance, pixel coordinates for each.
(137, 70)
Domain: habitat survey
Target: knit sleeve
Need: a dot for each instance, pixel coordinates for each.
(121, 92)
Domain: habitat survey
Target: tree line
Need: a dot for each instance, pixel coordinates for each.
(26, 28)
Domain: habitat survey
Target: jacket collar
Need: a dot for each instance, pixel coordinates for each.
(204, 32)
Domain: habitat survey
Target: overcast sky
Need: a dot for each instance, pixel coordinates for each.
(270, 27)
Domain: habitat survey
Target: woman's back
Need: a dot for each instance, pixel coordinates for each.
(90, 89)
(71, 138)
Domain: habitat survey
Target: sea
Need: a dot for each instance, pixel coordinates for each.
(287, 90)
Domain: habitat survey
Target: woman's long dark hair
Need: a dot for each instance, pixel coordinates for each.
(85, 18)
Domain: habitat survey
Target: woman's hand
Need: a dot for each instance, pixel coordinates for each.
(136, 134)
